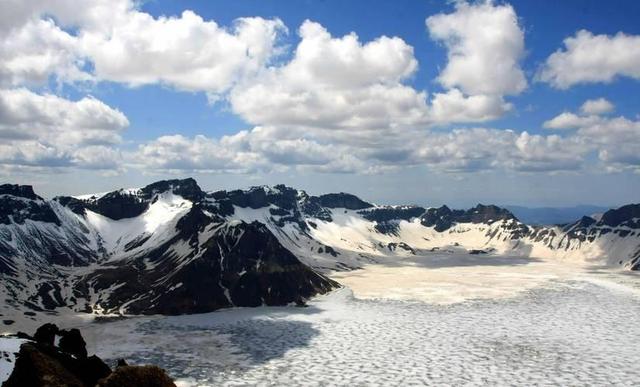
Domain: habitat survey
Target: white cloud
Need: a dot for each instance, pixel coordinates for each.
(454, 106)
(615, 139)
(335, 83)
(37, 50)
(469, 150)
(185, 52)
(597, 106)
(568, 120)
(485, 45)
(330, 83)
(244, 152)
(337, 105)
(589, 58)
(47, 130)
(129, 46)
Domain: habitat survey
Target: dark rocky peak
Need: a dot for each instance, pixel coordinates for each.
(258, 197)
(485, 214)
(387, 217)
(122, 204)
(74, 204)
(391, 213)
(440, 218)
(311, 206)
(580, 229)
(19, 203)
(21, 191)
(116, 205)
(443, 218)
(584, 223)
(187, 188)
(343, 200)
(625, 216)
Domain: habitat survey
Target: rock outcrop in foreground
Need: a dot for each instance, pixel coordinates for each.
(42, 362)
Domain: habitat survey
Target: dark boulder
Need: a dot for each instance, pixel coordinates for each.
(139, 376)
(37, 366)
(40, 363)
(71, 342)
(46, 334)
(91, 369)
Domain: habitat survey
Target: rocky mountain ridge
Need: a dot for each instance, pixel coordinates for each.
(172, 248)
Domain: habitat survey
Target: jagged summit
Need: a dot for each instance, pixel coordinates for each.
(22, 191)
(343, 200)
(129, 203)
(628, 216)
(172, 248)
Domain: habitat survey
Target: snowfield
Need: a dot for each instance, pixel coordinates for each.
(466, 321)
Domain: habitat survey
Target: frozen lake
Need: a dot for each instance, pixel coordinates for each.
(559, 327)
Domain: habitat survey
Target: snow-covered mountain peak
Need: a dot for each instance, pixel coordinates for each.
(170, 247)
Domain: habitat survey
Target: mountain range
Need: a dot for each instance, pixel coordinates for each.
(172, 248)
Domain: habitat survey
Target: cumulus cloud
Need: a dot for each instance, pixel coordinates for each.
(469, 150)
(588, 58)
(454, 106)
(47, 130)
(128, 46)
(590, 113)
(335, 83)
(597, 106)
(616, 139)
(244, 152)
(337, 104)
(485, 45)
(37, 50)
(567, 120)
(185, 52)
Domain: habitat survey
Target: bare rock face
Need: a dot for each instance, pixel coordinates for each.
(41, 363)
(71, 342)
(141, 376)
(199, 262)
(38, 366)
(46, 334)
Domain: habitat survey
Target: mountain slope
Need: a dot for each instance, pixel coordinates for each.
(338, 235)
(172, 248)
(158, 249)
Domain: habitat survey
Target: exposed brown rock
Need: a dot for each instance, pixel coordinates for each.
(140, 376)
(34, 367)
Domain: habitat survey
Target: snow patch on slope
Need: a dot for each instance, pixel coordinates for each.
(155, 223)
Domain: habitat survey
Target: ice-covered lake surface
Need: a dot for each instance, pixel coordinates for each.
(560, 326)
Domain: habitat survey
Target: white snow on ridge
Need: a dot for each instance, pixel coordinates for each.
(161, 215)
(125, 191)
(358, 242)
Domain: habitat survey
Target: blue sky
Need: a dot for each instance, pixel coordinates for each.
(410, 153)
